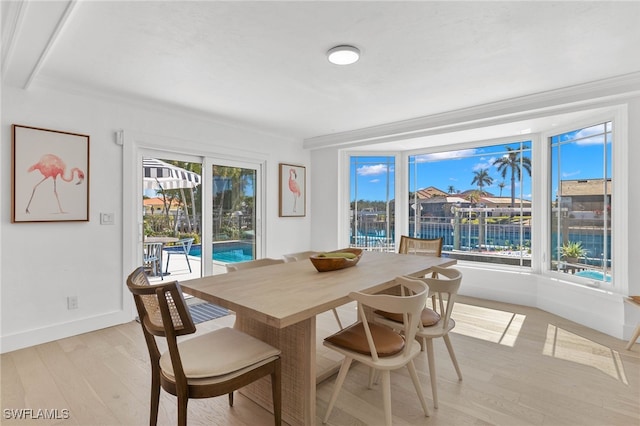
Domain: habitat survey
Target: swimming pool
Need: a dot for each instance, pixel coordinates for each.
(593, 275)
(226, 252)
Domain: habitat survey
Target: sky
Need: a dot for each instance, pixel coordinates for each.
(580, 152)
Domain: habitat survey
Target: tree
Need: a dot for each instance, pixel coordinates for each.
(501, 185)
(481, 178)
(513, 161)
(451, 189)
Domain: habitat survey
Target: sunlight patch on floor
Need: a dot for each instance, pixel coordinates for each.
(487, 324)
(568, 346)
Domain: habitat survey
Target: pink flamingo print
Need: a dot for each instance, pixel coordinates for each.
(293, 187)
(52, 166)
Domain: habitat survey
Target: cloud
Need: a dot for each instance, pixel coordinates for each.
(449, 155)
(484, 163)
(569, 174)
(374, 170)
(589, 136)
(374, 181)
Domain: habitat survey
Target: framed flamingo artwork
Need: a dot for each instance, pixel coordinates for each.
(293, 188)
(50, 176)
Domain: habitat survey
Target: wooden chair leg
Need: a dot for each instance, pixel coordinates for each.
(386, 396)
(230, 399)
(416, 383)
(155, 400)
(432, 371)
(276, 394)
(335, 314)
(633, 339)
(452, 354)
(344, 369)
(182, 410)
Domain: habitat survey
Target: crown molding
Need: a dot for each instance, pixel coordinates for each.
(580, 96)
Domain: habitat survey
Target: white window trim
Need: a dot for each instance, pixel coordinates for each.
(540, 186)
(619, 206)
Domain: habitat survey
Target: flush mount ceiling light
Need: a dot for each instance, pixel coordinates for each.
(343, 55)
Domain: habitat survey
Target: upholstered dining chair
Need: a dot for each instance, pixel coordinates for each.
(378, 346)
(304, 255)
(436, 322)
(207, 365)
(232, 267)
(421, 246)
(183, 247)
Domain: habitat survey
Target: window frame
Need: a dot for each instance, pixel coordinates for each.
(540, 194)
(619, 205)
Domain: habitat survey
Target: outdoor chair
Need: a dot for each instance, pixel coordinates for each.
(436, 322)
(424, 247)
(182, 246)
(232, 267)
(379, 347)
(205, 366)
(152, 258)
(305, 255)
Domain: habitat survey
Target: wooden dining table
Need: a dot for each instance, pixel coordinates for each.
(279, 303)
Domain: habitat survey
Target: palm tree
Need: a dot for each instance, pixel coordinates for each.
(512, 160)
(501, 185)
(481, 178)
(451, 189)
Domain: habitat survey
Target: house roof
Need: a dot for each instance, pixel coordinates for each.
(430, 192)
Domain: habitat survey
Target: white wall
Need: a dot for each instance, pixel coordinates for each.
(43, 263)
(594, 308)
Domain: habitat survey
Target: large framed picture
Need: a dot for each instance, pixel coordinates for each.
(293, 186)
(50, 175)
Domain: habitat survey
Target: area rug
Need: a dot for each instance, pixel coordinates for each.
(206, 311)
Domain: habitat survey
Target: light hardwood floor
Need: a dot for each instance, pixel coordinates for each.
(521, 366)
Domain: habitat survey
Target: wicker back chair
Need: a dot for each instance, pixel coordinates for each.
(424, 247)
(209, 365)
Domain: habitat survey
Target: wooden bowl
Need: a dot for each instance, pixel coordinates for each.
(326, 263)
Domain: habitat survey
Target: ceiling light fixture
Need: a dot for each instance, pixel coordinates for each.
(343, 55)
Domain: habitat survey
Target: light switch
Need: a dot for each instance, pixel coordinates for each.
(106, 218)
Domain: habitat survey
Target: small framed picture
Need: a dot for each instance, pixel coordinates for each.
(293, 185)
(50, 175)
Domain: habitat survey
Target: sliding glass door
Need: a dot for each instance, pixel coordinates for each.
(234, 214)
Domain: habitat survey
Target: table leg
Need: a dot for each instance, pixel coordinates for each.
(298, 345)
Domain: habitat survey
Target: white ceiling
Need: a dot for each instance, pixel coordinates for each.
(263, 63)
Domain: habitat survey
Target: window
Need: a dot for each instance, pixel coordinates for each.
(372, 224)
(581, 202)
(478, 200)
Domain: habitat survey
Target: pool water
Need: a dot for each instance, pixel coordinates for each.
(593, 275)
(226, 254)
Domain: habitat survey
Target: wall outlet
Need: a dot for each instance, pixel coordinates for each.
(72, 302)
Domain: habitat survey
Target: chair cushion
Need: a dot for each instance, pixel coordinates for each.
(387, 341)
(429, 317)
(217, 353)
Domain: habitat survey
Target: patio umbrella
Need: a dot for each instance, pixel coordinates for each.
(160, 175)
